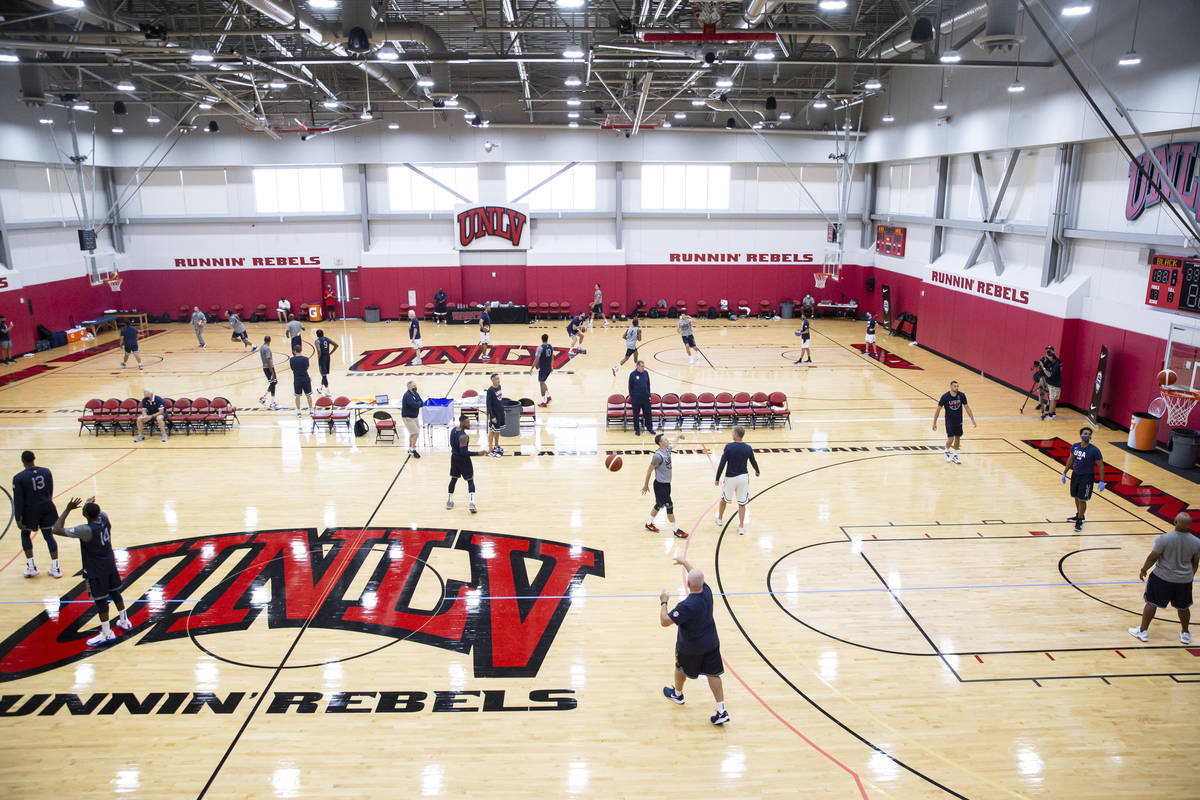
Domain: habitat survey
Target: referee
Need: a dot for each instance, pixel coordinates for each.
(697, 647)
(737, 477)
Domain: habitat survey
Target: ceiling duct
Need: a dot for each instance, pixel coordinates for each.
(957, 20)
(1000, 33)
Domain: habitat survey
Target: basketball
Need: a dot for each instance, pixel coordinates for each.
(1167, 377)
(613, 463)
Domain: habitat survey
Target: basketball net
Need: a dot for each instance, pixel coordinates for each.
(820, 278)
(114, 283)
(1180, 403)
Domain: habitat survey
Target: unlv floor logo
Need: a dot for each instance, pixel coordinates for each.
(502, 355)
(504, 616)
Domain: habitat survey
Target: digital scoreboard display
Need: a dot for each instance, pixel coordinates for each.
(890, 240)
(1174, 284)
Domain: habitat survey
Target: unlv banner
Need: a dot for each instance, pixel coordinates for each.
(480, 227)
(886, 294)
(1098, 387)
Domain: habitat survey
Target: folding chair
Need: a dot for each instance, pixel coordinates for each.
(385, 427)
(90, 420)
(779, 408)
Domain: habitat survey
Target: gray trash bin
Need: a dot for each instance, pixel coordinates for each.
(371, 313)
(787, 309)
(512, 418)
(1184, 444)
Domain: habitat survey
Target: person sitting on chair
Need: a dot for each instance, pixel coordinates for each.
(283, 310)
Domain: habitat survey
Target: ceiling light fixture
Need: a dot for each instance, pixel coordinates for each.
(323, 4)
(573, 101)
(81, 105)
(330, 103)
(69, 3)
(888, 117)
(873, 84)
(940, 105)
(1016, 87)
(784, 117)
(724, 83)
(393, 126)
(46, 121)
(153, 119)
(764, 55)
(388, 52)
(425, 82)
(569, 3)
(118, 130)
(730, 124)
(950, 57)
(1076, 9)
(572, 115)
(204, 105)
(666, 124)
(572, 81)
(8, 57)
(366, 114)
(125, 86)
(1132, 59)
(572, 124)
(699, 102)
(212, 126)
(277, 84)
(452, 102)
(573, 52)
(820, 102)
(680, 115)
(202, 56)
(832, 5)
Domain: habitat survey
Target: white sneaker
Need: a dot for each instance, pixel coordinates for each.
(273, 406)
(741, 531)
(719, 521)
(449, 504)
(956, 459)
(55, 572)
(125, 624)
(471, 508)
(691, 360)
(164, 437)
(138, 438)
(262, 401)
(947, 456)
(1139, 634)
(101, 638)
(614, 370)
(1185, 637)
(31, 571)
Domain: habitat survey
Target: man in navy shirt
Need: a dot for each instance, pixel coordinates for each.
(1051, 368)
(805, 335)
(543, 361)
(326, 347)
(495, 414)
(737, 479)
(301, 382)
(1085, 461)
(955, 402)
(439, 306)
(99, 564)
(872, 350)
(460, 461)
(414, 336)
(33, 508)
(410, 410)
(485, 335)
(129, 341)
(639, 398)
(154, 409)
(697, 646)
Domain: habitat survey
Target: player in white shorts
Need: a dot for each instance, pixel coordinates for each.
(414, 336)
(737, 478)
(872, 350)
(485, 335)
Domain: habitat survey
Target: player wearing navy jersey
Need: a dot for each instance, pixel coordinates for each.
(872, 350)
(301, 382)
(33, 508)
(495, 415)
(737, 479)
(543, 362)
(575, 332)
(326, 347)
(439, 306)
(955, 402)
(414, 336)
(460, 461)
(129, 343)
(154, 409)
(485, 335)
(99, 564)
(697, 646)
(1086, 462)
(805, 334)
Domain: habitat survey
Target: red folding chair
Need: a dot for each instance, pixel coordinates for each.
(198, 416)
(725, 412)
(127, 415)
(180, 414)
(385, 427)
(779, 407)
(689, 409)
(741, 408)
(615, 411)
(670, 410)
(90, 420)
(322, 412)
(706, 406)
(341, 413)
(760, 409)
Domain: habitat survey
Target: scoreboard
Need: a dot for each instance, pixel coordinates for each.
(1174, 284)
(890, 240)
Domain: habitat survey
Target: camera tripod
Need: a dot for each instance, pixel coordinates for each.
(1042, 396)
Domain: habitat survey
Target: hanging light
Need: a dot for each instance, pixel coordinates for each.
(820, 102)
(665, 124)
(573, 52)
(212, 126)
(81, 105)
(724, 83)
(323, 4)
(764, 55)
(69, 3)
(730, 124)
(680, 115)
(204, 105)
(1016, 87)
(873, 84)
(393, 126)
(277, 84)
(569, 3)
(572, 81)
(452, 102)
(46, 121)
(940, 105)
(425, 82)
(8, 57)
(125, 86)
(950, 57)
(388, 52)
(1076, 9)
(887, 117)
(784, 116)
(118, 130)
(572, 124)
(573, 101)
(153, 119)
(119, 108)
(832, 5)
(366, 114)
(572, 115)
(202, 56)
(1132, 59)
(330, 103)
(698, 102)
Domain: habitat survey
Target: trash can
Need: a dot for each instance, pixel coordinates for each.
(1184, 444)
(512, 418)
(787, 309)
(1143, 431)
(371, 313)
(314, 313)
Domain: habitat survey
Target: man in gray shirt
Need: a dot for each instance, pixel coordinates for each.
(1175, 558)
(198, 320)
(633, 335)
(239, 331)
(660, 468)
(689, 340)
(268, 368)
(292, 331)
(598, 306)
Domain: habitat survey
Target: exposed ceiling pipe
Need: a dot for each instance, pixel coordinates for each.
(903, 43)
(510, 18)
(433, 43)
(1000, 34)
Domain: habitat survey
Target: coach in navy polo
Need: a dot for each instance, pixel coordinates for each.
(639, 398)
(697, 647)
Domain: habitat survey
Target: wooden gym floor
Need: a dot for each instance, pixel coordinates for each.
(312, 622)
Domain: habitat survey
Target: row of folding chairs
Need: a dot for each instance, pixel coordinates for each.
(183, 415)
(331, 412)
(724, 408)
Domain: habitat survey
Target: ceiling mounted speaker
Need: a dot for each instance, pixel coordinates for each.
(119, 108)
(772, 104)
(922, 30)
(358, 41)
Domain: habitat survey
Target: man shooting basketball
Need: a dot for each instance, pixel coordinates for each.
(955, 402)
(1087, 462)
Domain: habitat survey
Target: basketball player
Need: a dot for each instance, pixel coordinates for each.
(268, 368)
(737, 479)
(99, 564)
(154, 409)
(439, 306)
(1085, 460)
(689, 339)
(301, 382)
(485, 335)
(544, 362)
(198, 321)
(460, 461)
(326, 347)
(6, 341)
(414, 336)
(598, 306)
(330, 303)
(575, 332)
(955, 402)
(660, 468)
(129, 341)
(697, 646)
(805, 334)
(495, 414)
(633, 335)
(872, 350)
(292, 331)
(239, 331)
(1175, 558)
(33, 506)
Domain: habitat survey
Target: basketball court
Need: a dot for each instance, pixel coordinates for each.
(310, 619)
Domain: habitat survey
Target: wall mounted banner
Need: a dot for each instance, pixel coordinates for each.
(1098, 388)
(223, 261)
(885, 292)
(478, 227)
(1180, 160)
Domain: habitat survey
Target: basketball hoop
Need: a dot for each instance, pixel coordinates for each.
(1179, 404)
(114, 283)
(820, 278)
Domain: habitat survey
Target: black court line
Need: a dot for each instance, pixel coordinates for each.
(283, 661)
(456, 377)
(875, 363)
(1084, 592)
(12, 512)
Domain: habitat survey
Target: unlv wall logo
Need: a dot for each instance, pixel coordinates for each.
(1180, 160)
(502, 355)
(505, 616)
(478, 227)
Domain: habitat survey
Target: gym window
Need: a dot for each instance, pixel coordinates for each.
(410, 191)
(299, 190)
(573, 190)
(685, 186)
